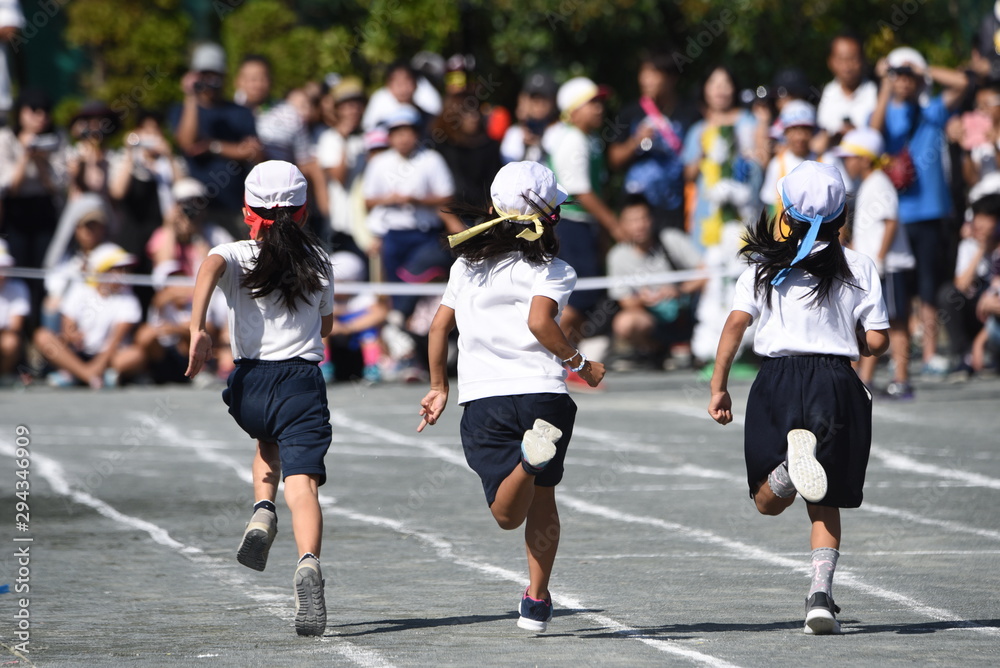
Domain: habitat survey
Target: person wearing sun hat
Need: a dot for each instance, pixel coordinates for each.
(875, 233)
(808, 423)
(505, 294)
(910, 118)
(576, 155)
(94, 345)
(798, 126)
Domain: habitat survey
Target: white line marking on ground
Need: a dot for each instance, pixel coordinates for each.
(845, 576)
(445, 549)
(52, 472)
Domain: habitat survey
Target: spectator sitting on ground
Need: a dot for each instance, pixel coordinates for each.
(165, 336)
(186, 234)
(652, 318)
(94, 345)
(987, 342)
(354, 344)
(15, 306)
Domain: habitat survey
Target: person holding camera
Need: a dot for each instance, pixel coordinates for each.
(218, 137)
(32, 179)
(913, 124)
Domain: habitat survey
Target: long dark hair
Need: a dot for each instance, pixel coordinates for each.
(501, 239)
(772, 255)
(290, 260)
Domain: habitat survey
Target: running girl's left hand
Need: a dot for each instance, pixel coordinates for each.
(720, 407)
(200, 353)
(431, 407)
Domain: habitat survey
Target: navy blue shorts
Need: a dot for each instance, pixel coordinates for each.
(927, 243)
(493, 427)
(897, 290)
(283, 402)
(823, 394)
(580, 248)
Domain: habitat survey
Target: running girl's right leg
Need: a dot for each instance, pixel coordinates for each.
(302, 497)
(769, 503)
(266, 471)
(513, 499)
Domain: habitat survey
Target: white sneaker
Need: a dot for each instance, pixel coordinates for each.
(539, 446)
(821, 617)
(804, 469)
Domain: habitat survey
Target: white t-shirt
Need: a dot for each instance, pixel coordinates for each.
(96, 315)
(423, 174)
(626, 260)
(497, 353)
(835, 105)
(382, 104)
(967, 250)
(513, 148)
(14, 301)
(10, 15)
(331, 152)
(571, 154)
(780, 165)
(795, 325)
(876, 202)
(265, 329)
(283, 135)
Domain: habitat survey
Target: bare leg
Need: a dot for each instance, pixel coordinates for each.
(825, 526)
(302, 497)
(768, 503)
(541, 537)
(928, 316)
(513, 499)
(899, 345)
(866, 369)
(266, 471)
(57, 352)
(10, 351)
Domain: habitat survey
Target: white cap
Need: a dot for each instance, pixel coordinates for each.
(577, 92)
(208, 57)
(404, 115)
(516, 180)
(188, 188)
(988, 185)
(348, 267)
(109, 256)
(813, 189)
(905, 55)
(862, 143)
(797, 113)
(275, 183)
(6, 259)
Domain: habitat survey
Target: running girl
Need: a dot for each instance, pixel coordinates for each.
(280, 293)
(506, 292)
(819, 306)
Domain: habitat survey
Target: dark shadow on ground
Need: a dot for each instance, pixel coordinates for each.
(395, 625)
(849, 627)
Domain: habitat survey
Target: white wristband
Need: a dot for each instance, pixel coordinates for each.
(583, 363)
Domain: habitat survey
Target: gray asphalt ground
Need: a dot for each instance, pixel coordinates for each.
(138, 498)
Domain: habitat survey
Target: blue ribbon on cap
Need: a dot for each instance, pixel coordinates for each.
(805, 246)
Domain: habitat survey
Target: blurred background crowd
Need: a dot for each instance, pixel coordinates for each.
(117, 196)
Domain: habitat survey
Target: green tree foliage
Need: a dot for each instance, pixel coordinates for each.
(137, 50)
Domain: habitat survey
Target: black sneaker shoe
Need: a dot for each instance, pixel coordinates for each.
(820, 615)
(535, 614)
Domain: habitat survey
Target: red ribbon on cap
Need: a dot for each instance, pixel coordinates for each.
(256, 222)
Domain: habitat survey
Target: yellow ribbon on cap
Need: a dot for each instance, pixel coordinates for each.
(877, 161)
(526, 233)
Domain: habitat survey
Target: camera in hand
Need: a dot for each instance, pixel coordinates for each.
(45, 143)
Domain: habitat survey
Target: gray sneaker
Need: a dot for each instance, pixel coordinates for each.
(310, 603)
(257, 539)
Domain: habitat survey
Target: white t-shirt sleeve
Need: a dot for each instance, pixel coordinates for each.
(326, 296)
(455, 278)
(225, 251)
(512, 146)
(571, 162)
(745, 297)
(128, 309)
(374, 184)
(330, 150)
(871, 311)
(556, 281)
(680, 250)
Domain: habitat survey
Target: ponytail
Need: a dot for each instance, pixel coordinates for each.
(289, 260)
(772, 255)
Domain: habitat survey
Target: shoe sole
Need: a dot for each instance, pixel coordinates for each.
(310, 609)
(533, 624)
(807, 474)
(821, 622)
(537, 447)
(255, 546)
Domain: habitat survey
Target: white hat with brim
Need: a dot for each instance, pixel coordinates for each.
(577, 92)
(797, 113)
(109, 256)
(188, 188)
(404, 116)
(861, 143)
(208, 57)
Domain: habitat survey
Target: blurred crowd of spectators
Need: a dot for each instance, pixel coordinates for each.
(94, 201)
